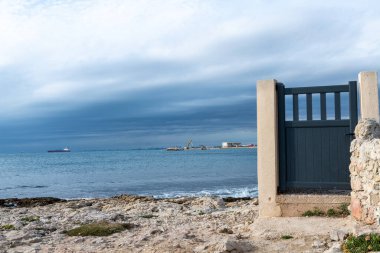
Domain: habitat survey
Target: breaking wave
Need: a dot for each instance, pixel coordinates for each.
(230, 192)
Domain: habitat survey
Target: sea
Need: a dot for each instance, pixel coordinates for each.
(155, 172)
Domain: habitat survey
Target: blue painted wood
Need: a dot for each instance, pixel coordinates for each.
(309, 106)
(281, 134)
(320, 157)
(323, 106)
(295, 108)
(320, 123)
(353, 97)
(337, 105)
(317, 89)
(314, 154)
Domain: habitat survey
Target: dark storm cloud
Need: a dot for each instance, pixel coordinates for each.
(144, 116)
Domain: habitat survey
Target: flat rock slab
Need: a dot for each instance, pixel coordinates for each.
(296, 226)
(297, 234)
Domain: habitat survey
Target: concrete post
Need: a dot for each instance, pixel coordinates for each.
(369, 98)
(267, 142)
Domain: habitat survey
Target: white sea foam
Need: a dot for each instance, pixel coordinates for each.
(230, 192)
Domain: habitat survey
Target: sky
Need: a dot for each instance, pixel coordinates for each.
(116, 74)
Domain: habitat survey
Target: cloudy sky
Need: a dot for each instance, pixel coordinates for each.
(113, 74)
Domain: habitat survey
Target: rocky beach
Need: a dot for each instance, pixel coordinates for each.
(144, 224)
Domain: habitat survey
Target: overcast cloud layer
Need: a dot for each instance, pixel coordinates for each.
(118, 73)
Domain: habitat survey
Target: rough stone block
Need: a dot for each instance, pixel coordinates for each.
(367, 129)
(365, 172)
(234, 245)
(356, 209)
(356, 184)
(374, 199)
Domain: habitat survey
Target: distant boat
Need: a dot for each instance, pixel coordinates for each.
(174, 149)
(60, 150)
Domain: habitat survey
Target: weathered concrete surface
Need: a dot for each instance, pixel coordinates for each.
(310, 234)
(369, 98)
(267, 153)
(293, 205)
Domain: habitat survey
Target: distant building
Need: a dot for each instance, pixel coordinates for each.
(231, 144)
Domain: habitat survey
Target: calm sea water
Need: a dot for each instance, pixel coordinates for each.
(156, 173)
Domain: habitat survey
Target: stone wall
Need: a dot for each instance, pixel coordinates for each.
(365, 172)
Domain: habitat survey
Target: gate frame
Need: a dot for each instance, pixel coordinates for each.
(268, 148)
(351, 88)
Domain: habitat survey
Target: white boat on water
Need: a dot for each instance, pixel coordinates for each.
(66, 149)
(175, 149)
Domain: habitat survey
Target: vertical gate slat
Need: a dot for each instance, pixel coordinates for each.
(353, 98)
(281, 135)
(318, 154)
(290, 155)
(337, 105)
(301, 144)
(323, 106)
(309, 106)
(338, 135)
(295, 107)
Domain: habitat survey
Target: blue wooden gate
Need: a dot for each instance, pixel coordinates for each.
(314, 149)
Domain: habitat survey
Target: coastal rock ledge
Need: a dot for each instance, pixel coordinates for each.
(128, 224)
(144, 224)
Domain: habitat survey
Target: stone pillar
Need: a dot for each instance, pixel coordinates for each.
(267, 153)
(365, 172)
(369, 98)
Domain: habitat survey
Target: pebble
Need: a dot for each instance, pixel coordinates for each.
(230, 245)
(338, 235)
(98, 241)
(118, 217)
(220, 203)
(35, 240)
(17, 224)
(23, 211)
(37, 246)
(226, 231)
(335, 248)
(79, 240)
(318, 244)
